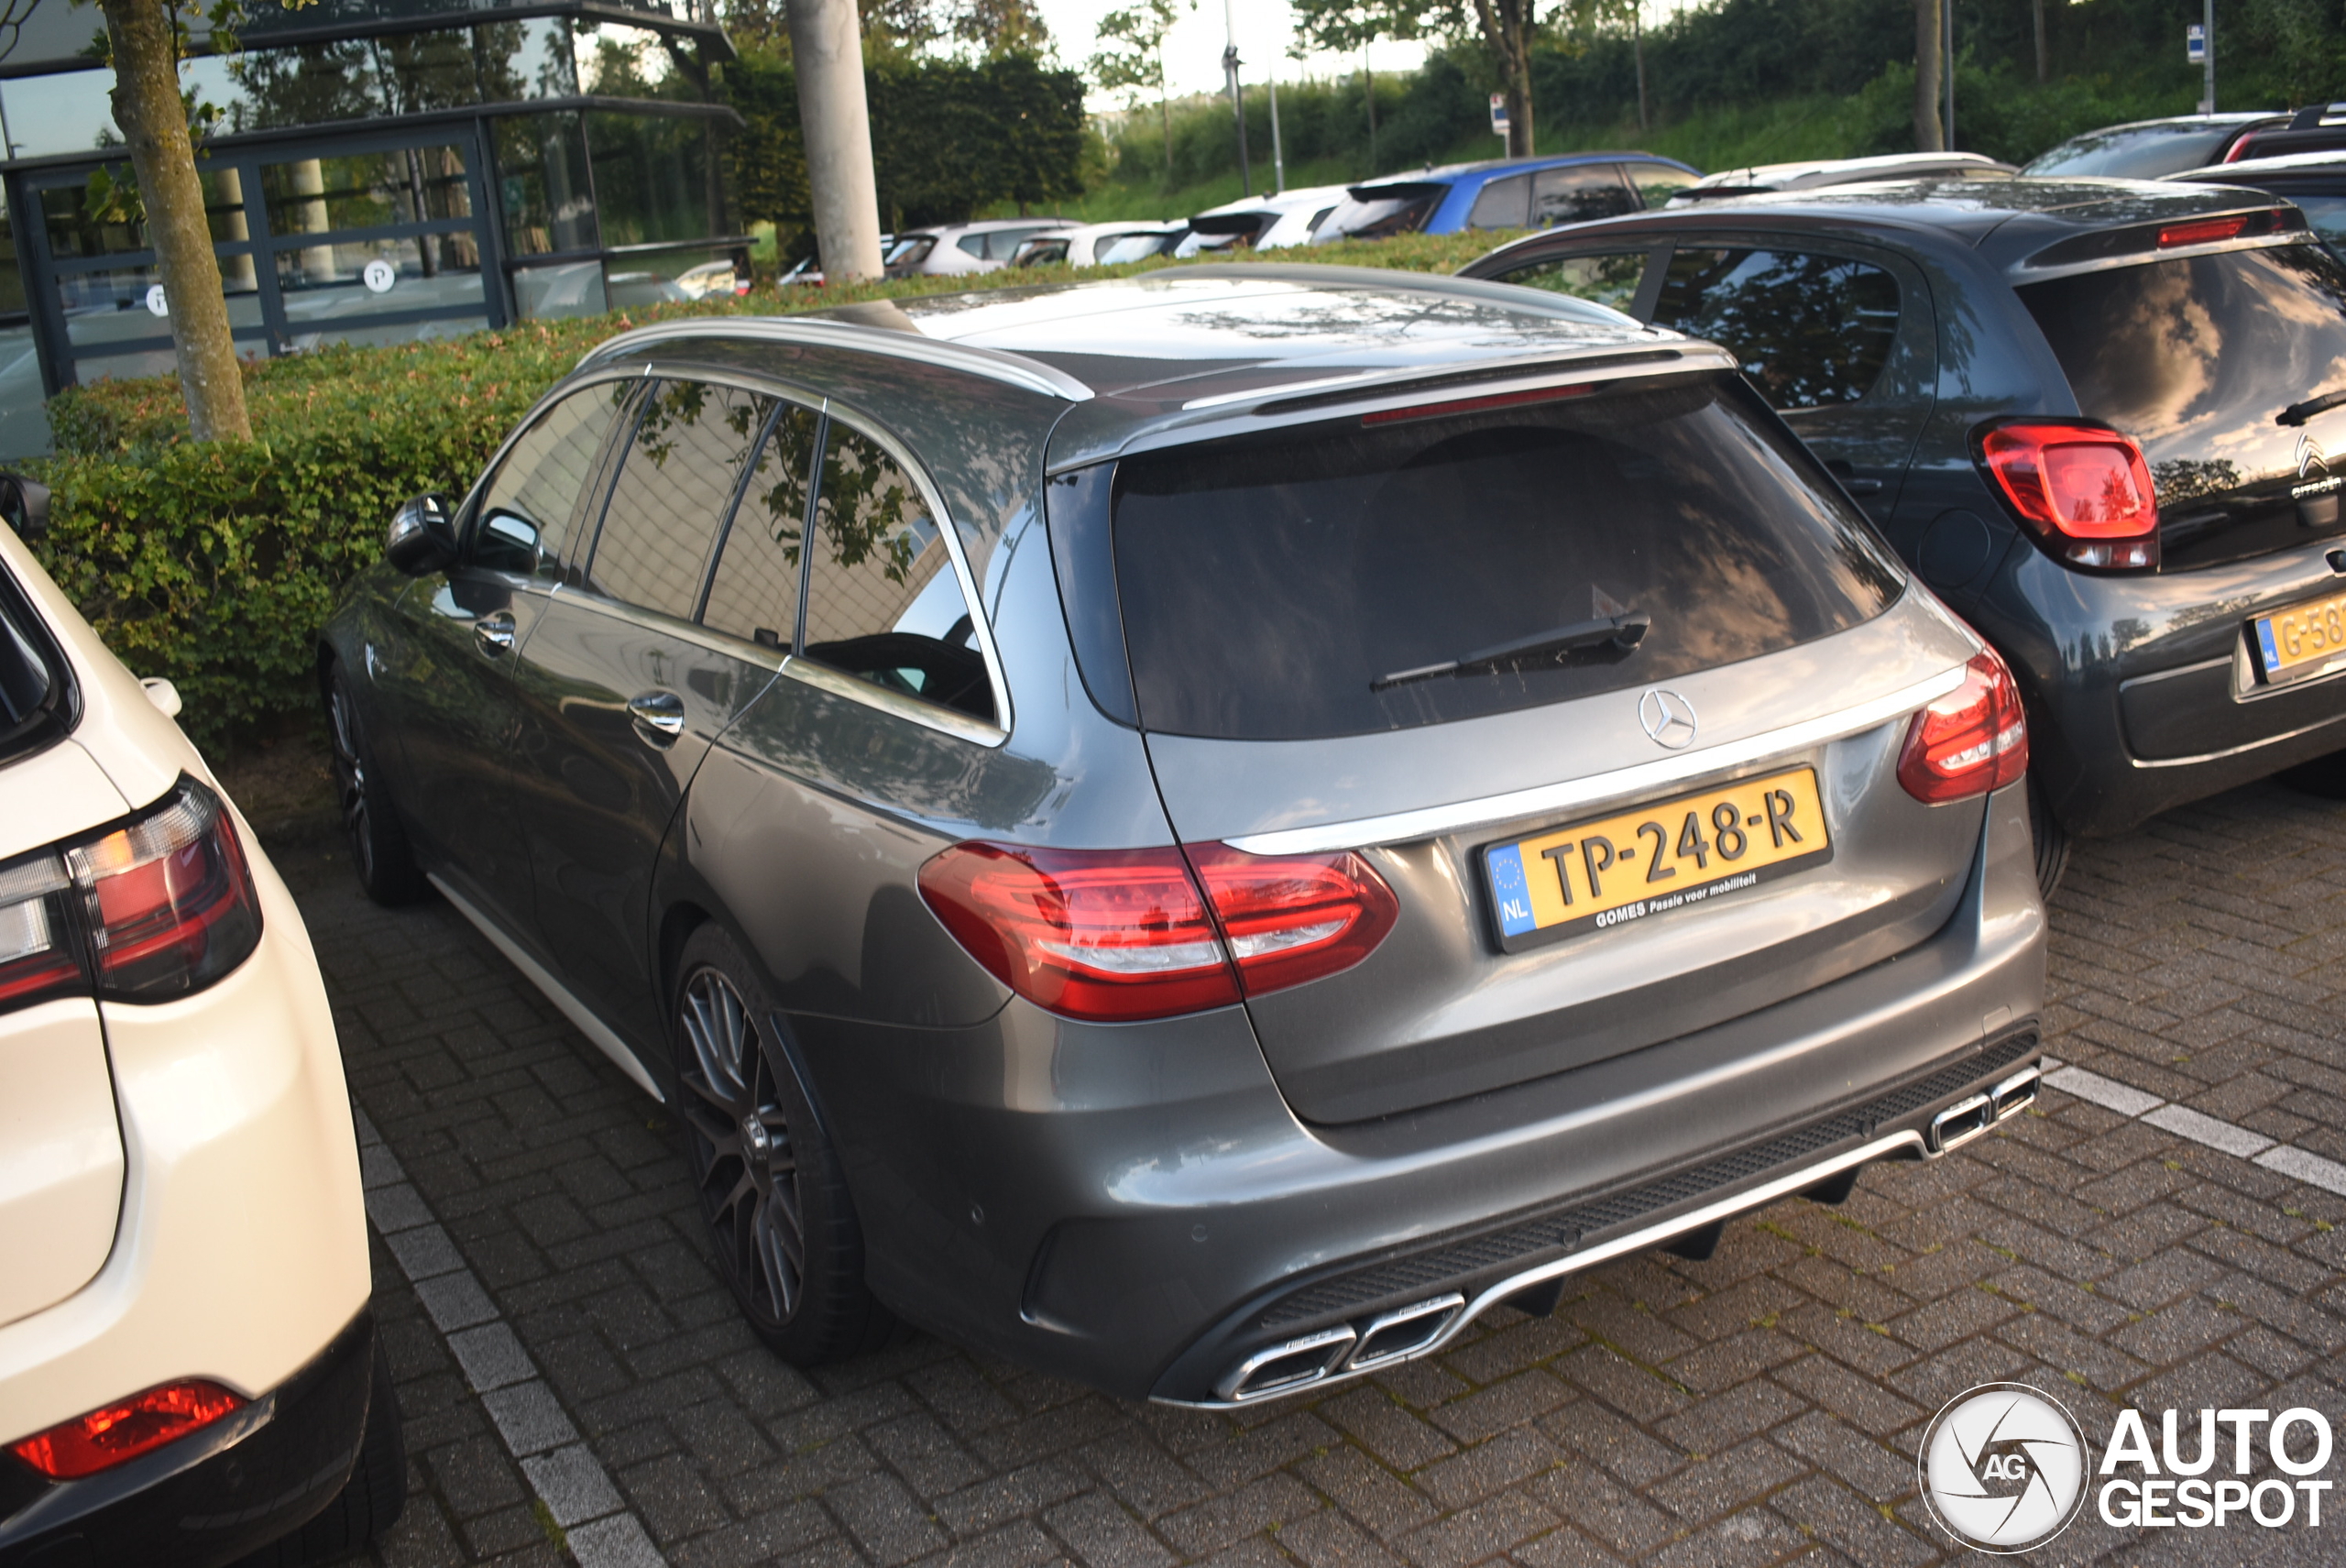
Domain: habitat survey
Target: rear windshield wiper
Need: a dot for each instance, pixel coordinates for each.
(1623, 631)
(2298, 413)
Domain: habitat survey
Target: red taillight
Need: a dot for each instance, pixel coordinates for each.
(171, 899)
(2206, 231)
(2085, 489)
(118, 1433)
(1969, 741)
(38, 958)
(153, 910)
(1289, 918)
(1124, 935)
(1103, 933)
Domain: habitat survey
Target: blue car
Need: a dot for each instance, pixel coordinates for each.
(1507, 193)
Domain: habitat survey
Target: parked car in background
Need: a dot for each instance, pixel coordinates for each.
(1505, 193)
(1091, 244)
(1816, 174)
(189, 1366)
(2095, 416)
(1117, 896)
(2317, 127)
(965, 247)
(2316, 182)
(1269, 222)
(810, 269)
(714, 278)
(2145, 150)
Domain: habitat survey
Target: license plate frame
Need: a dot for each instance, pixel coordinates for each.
(1778, 810)
(2321, 640)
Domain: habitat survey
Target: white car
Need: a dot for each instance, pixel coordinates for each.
(1099, 245)
(965, 247)
(1817, 173)
(187, 1362)
(1262, 222)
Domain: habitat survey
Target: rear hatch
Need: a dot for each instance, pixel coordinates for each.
(2216, 363)
(1697, 752)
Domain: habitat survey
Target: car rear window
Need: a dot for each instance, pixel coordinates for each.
(2193, 358)
(36, 696)
(1811, 330)
(2136, 152)
(1380, 211)
(1267, 583)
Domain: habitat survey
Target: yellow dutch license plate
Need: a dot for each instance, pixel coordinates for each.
(1658, 858)
(2303, 641)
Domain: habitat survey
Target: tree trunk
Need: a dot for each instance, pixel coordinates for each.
(154, 122)
(1637, 40)
(2038, 6)
(1165, 112)
(1928, 135)
(826, 43)
(1506, 28)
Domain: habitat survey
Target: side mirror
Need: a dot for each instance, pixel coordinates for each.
(422, 537)
(24, 503)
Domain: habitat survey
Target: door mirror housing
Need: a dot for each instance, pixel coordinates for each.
(24, 505)
(423, 536)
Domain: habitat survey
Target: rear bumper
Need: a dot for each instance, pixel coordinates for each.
(2140, 697)
(1138, 1208)
(213, 1495)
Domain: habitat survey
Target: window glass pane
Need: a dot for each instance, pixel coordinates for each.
(673, 492)
(654, 177)
(1502, 203)
(69, 112)
(1811, 330)
(755, 594)
(12, 281)
(1577, 194)
(1268, 583)
(316, 195)
(1657, 182)
(524, 60)
(308, 84)
(882, 602)
(542, 182)
(1608, 279)
(526, 510)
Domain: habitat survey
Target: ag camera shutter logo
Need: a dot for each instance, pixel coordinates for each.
(2003, 1467)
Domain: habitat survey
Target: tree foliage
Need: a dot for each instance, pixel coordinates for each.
(1131, 58)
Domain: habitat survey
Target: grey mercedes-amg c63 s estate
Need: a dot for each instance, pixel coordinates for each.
(1196, 832)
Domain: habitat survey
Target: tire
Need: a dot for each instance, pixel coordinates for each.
(369, 1503)
(379, 851)
(776, 1202)
(2052, 840)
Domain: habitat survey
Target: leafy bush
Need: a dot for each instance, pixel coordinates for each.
(215, 565)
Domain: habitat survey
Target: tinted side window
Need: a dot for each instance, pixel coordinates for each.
(1502, 203)
(525, 513)
(1656, 183)
(882, 603)
(755, 594)
(1811, 330)
(1577, 194)
(1610, 279)
(673, 492)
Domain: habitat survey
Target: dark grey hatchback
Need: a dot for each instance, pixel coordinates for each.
(1198, 831)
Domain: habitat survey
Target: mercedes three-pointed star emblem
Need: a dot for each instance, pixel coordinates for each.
(1668, 718)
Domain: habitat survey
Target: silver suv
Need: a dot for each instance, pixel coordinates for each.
(1198, 831)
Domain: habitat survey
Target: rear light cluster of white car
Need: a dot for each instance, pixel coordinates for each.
(1122, 935)
(117, 1433)
(151, 909)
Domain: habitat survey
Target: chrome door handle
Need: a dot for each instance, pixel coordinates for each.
(659, 715)
(495, 633)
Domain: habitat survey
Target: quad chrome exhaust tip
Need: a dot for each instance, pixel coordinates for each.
(1974, 1114)
(1384, 1339)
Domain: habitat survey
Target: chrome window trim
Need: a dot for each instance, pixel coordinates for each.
(1010, 369)
(960, 726)
(471, 498)
(1459, 817)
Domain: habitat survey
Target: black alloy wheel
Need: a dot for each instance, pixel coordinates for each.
(784, 1230)
(2052, 840)
(379, 851)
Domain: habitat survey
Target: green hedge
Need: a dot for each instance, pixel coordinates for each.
(216, 565)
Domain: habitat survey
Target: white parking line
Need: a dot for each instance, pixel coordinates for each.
(563, 1472)
(2298, 1164)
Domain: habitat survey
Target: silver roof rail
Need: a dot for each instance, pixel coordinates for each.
(1014, 369)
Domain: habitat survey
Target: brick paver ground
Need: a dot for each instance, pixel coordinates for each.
(1762, 1406)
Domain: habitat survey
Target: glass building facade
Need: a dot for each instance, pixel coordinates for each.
(374, 170)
